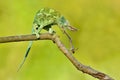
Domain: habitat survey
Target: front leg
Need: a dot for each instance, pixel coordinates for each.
(70, 39)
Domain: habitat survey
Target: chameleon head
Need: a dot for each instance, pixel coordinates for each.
(63, 23)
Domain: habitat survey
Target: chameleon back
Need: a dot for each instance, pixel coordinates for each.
(46, 16)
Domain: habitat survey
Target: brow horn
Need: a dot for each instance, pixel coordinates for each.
(72, 28)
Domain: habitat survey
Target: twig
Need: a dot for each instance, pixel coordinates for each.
(30, 37)
(56, 39)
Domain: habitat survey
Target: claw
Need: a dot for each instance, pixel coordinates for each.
(73, 50)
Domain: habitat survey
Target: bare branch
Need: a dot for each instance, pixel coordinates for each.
(69, 55)
(30, 37)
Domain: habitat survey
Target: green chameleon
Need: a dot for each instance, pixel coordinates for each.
(44, 19)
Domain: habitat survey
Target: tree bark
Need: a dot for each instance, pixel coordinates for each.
(46, 36)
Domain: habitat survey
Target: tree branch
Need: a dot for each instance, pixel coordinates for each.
(56, 40)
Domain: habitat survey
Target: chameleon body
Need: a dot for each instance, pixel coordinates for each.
(44, 19)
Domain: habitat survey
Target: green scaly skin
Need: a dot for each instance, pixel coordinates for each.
(44, 19)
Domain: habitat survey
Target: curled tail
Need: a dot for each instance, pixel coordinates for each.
(26, 54)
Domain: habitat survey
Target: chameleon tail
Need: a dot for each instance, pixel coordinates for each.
(26, 54)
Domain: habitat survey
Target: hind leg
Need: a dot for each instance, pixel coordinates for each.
(51, 31)
(37, 29)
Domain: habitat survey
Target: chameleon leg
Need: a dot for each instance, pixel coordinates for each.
(70, 39)
(51, 31)
(37, 34)
(37, 31)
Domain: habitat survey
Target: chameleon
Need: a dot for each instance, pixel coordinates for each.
(45, 18)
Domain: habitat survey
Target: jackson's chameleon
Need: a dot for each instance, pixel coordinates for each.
(44, 19)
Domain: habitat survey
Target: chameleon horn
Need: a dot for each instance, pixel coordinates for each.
(72, 28)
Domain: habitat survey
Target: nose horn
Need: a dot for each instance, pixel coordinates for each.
(72, 28)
